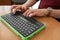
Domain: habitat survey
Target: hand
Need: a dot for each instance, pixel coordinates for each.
(36, 12)
(15, 8)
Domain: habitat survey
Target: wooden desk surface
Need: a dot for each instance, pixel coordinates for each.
(5, 2)
(51, 32)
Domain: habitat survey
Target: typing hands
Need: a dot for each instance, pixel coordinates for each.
(29, 12)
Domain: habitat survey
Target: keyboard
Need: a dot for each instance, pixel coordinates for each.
(24, 25)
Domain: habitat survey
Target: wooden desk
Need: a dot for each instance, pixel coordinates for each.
(5, 2)
(51, 32)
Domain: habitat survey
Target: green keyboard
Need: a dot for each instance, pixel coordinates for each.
(24, 27)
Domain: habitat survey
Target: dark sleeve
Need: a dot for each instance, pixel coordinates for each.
(57, 19)
(37, 0)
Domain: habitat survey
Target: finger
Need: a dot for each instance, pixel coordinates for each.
(25, 14)
(32, 14)
(13, 6)
(29, 13)
(16, 9)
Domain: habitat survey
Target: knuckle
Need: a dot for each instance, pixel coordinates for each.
(13, 5)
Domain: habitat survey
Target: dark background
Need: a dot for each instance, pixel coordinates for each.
(10, 2)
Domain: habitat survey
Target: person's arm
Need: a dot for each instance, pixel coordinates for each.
(29, 3)
(43, 12)
(23, 7)
(55, 13)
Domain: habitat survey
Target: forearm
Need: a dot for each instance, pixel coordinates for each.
(29, 3)
(55, 13)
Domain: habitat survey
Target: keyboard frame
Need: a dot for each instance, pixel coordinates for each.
(17, 33)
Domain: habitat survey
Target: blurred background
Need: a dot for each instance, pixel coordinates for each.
(10, 2)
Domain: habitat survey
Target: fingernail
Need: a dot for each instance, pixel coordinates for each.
(13, 11)
(30, 15)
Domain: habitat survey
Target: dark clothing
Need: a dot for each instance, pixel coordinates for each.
(37, 0)
(55, 4)
(57, 19)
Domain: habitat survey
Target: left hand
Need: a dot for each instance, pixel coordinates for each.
(36, 12)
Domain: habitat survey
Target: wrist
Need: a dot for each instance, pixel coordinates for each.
(24, 8)
(44, 12)
(49, 9)
(25, 5)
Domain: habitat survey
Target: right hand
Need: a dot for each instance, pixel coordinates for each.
(15, 8)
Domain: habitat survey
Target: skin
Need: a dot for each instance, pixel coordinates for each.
(34, 12)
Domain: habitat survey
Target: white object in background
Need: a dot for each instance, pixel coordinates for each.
(35, 6)
(1, 9)
(7, 9)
